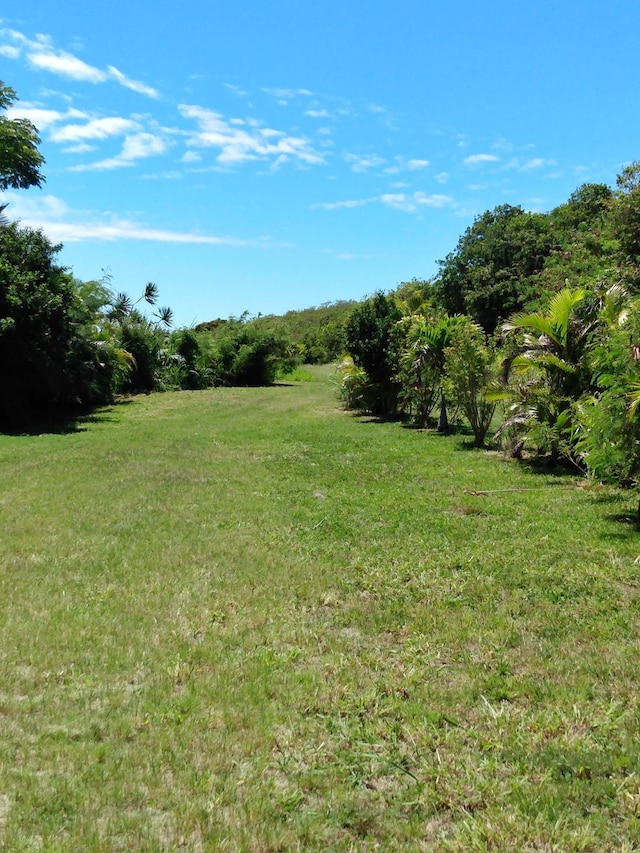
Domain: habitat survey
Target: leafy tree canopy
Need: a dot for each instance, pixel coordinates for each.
(491, 272)
(20, 159)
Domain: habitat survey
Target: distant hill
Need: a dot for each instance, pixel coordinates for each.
(317, 331)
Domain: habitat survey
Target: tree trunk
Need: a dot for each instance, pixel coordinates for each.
(443, 420)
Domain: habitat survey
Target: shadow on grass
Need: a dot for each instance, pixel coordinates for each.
(66, 422)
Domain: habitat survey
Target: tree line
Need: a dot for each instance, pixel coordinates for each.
(67, 344)
(537, 314)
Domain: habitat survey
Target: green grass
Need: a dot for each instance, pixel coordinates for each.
(300, 374)
(243, 619)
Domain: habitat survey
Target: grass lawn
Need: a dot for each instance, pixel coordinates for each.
(245, 620)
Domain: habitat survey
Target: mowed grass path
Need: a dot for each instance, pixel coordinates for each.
(246, 620)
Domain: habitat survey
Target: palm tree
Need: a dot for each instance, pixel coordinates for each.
(422, 363)
(553, 342)
(550, 372)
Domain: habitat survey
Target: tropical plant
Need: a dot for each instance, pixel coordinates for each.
(422, 343)
(368, 334)
(610, 436)
(37, 330)
(470, 369)
(20, 159)
(354, 387)
(493, 270)
(551, 373)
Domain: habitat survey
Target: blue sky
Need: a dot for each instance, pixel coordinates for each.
(279, 154)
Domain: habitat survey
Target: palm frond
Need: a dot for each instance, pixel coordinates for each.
(538, 322)
(151, 293)
(165, 317)
(560, 310)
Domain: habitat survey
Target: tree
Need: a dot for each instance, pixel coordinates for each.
(491, 274)
(20, 159)
(469, 370)
(626, 212)
(422, 358)
(37, 332)
(553, 371)
(367, 338)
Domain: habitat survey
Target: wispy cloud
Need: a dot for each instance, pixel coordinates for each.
(41, 54)
(40, 117)
(407, 202)
(479, 159)
(363, 162)
(287, 94)
(99, 128)
(354, 256)
(536, 163)
(134, 85)
(236, 90)
(9, 51)
(239, 142)
(318, 113)
(283, 96)
(61, 223)
(137, 146)
(402, 165)
(413, 165)
(411, 202)
(348, 203)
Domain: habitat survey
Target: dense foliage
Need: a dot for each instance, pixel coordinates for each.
(537, 312)
(65, 344)
(318, 333)
(20, 159)
(38, 336)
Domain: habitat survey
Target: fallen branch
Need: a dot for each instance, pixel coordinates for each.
(484, 492)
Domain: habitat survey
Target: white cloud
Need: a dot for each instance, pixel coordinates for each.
(287, 94)
(9, 51)
(66, 65)
(403, 165)
(407, 202)
(191, 157)
(477, 159)
(43, 56)
(80, 148)
(134, 85)
(442, 177)
(236, 90)
(238, 145)
(40, 117)
(62, 224)
(99, 128)
(360, 163)
(353, 256)
(536, 163)
(138, 146)
(411, 202)
(413, 165)
(318, 113)
(502, 144)
(336, 205)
